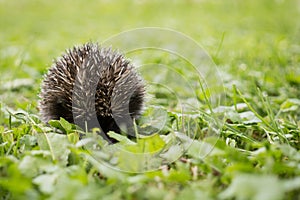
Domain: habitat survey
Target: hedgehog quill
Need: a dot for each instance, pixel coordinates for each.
(92, 87)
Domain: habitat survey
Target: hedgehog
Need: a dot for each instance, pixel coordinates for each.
(92, 86)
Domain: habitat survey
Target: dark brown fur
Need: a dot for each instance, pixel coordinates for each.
(88, 83)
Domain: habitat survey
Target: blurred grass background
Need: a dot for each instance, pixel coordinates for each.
(257, 43)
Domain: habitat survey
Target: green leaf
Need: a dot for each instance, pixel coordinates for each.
(46, 182)
(62, 125)
(12, 177)
(253, 186)
(29, 141)
(249, 117)
(149, 144)
(66, 125)
(56, 124)
(57, 144)
(121, 138)
(290, 105)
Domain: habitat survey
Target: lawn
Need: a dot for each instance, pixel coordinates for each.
(222, 112)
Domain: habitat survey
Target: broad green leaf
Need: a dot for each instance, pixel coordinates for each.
(57, 144)
(249, 117)
(253, 186)
(290, 105)
(46, 182)
(62, 125)
(148, 144)
(56, 124)
(66, 125)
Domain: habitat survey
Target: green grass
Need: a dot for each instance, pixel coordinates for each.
(255, 154)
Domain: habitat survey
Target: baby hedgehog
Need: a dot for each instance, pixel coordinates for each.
(92, 87)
